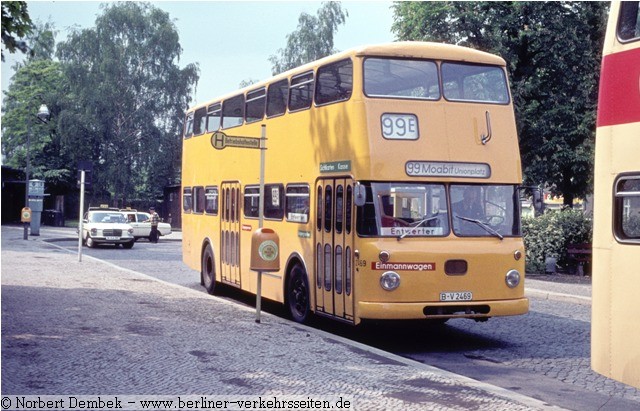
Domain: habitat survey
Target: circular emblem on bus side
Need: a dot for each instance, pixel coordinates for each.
(218, 140)
(268, 250)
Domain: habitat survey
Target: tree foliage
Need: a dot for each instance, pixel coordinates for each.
(126, 100)
(39, 80)
(553, 52)
(312, 40)
(16, 24)
(550, 236)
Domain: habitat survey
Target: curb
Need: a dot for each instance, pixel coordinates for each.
(550, 295)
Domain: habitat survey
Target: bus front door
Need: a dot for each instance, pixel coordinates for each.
(230, 234)
(334, 248)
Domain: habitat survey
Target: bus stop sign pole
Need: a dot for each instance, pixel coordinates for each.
(220, 141)
(263, 148)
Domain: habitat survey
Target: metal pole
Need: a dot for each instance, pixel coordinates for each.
(82, 176)
(263, 148)
(26, 181)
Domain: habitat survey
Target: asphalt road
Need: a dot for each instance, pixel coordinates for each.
(544, 354)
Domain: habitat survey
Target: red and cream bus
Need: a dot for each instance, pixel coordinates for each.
(615, 331)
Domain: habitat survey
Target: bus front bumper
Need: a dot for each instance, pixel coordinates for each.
(462, 309)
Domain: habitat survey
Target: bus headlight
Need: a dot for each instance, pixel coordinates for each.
(512, 278)
(390, 280)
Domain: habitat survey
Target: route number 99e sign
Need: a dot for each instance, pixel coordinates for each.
(400, 126)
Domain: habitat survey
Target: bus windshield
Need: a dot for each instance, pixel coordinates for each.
(401, 78)
(404, 209)
(418, 79)
(422, 210)
(485, 210)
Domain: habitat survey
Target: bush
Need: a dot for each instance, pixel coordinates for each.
(550, 234)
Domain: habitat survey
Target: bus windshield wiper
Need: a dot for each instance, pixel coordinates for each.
(417, 224)
(483, 225)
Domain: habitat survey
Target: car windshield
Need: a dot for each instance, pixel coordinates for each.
(105, 217)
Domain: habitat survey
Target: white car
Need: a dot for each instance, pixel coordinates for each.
(106, 226)
(141, 225)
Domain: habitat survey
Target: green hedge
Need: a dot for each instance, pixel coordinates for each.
(550, 234)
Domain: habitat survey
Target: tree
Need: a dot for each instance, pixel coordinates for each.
(39, 80)
(312, 40)
(553, 52)
(15, 23)
(127, 99)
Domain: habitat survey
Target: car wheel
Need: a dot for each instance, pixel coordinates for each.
(90, 242)
(128, 245)
(298, 294)
(208, 271)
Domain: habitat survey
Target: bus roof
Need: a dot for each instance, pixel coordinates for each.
(401, 49)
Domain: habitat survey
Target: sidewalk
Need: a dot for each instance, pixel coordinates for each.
(92, 328)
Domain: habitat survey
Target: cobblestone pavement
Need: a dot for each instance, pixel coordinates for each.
(74, 328)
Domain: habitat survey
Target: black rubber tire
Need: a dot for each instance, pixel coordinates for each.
(298, 303)
(208, 270)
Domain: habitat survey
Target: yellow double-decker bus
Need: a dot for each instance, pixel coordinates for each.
(392, 179)
(615, 327)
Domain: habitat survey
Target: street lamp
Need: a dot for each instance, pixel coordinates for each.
(43, 116)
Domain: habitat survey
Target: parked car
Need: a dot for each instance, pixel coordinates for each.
(106, 226)
(141, 225)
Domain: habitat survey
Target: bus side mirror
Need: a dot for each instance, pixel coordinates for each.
(359, 194)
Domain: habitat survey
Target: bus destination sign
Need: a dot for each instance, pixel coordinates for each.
(447, 169)
(220, 140)
(335, 166)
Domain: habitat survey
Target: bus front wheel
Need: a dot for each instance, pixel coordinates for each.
(298, 294)
(207, 271)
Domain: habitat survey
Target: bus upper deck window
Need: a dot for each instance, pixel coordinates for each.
(629, 23)
(474, 83)
(199, 122)
(277, 98)
(233, 112)
(188, 125)
(214, 117)
(254, 109)
(334, 82)
(401, 78)
(301, 92)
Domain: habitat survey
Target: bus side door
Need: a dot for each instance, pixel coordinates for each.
(334, 248)
(230, 234)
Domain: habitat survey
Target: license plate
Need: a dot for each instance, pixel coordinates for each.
(112, 238)
(456, 296)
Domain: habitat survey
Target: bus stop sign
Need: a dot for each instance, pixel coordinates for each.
(220, 140)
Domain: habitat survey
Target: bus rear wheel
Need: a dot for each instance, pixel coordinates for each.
(298, 294)
(207, 271)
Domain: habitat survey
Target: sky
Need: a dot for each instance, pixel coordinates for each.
(231, 40)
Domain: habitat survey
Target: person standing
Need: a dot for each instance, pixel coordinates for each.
(153, 219)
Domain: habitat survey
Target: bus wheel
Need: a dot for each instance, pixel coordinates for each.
(298, 294)
(207, 271)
